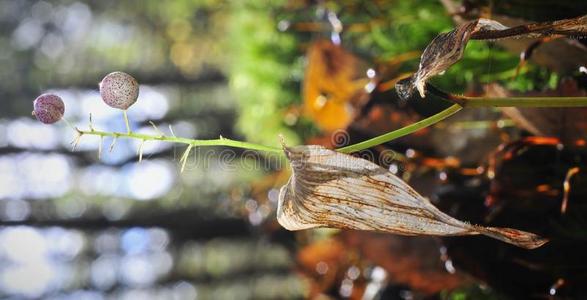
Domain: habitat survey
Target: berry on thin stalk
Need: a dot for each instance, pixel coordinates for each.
(119, 90)
(48, 108)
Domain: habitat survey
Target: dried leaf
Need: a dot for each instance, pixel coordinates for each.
(448, 48)
(445, 50)
(331, 189)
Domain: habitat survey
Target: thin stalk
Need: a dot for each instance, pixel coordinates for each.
(537, 102)
(484, 124)
(460, 101)
(384, 138)
(525, 102)
(180, 140)
(67, 123)
(126, 121)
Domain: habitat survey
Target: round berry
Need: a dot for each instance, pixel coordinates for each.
(119, 90)
(48, 108)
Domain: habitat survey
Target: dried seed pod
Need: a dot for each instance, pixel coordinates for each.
(119, 90)
(448, 48)
(48, 108)
(332, 189)
(445, 50)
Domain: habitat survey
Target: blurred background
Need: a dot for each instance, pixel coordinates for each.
(75, 226)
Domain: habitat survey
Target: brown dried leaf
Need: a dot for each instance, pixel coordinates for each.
(332, 189)
(445, 50)
(448, 48)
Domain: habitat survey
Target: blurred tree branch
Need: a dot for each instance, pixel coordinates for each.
(188, 222)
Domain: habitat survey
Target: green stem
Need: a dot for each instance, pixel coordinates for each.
(67, 123)
(467, 101)
(126, 122)
(180, 140)
(484, 124)
(508, 101)
(384, 138)
(525, 102)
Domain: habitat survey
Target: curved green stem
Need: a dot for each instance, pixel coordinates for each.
(467, 102)
(384, 138)
(180, 140)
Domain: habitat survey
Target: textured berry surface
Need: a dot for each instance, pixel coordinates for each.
(48, 108)
(119, 90)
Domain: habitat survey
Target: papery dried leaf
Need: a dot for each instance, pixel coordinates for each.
(448, 48)
(445, 50)
(332, 189)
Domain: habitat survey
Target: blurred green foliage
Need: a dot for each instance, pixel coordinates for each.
(263, 67)
(267, 64)
(472, 292)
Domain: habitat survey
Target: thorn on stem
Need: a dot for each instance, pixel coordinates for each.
(184, 158)
(100, 147)
(161, 134)
(140, 151)
(91, 125)
(114, 139)
(171, 130)
(76, 141)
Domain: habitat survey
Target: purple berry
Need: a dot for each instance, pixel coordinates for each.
(48, 108)
(119, 90)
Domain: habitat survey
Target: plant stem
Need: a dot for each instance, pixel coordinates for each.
(180, 140)
(126, 122)
(67, 123)
(384, 138)
(525, 102)
(507, 101)
(481, 124)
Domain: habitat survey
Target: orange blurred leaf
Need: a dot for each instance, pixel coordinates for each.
(334, 85)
